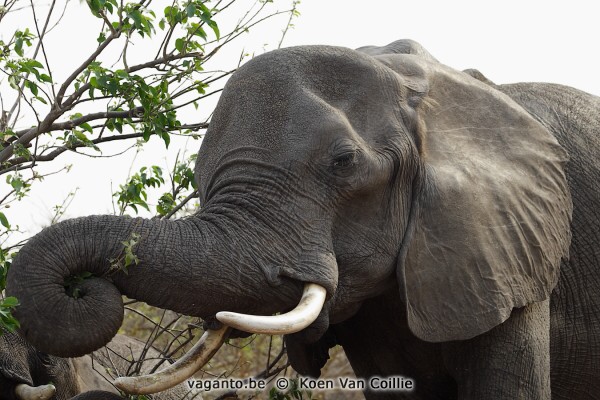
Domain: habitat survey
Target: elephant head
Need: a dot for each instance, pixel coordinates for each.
(353, 171)
(26, 373)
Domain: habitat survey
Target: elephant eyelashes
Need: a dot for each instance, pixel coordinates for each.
(345, 160)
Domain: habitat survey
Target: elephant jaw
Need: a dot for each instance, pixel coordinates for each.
(305, 313)
(26, 392)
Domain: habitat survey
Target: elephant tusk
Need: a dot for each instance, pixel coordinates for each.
(307, 310)
(305, 313)
(26, 392)
(178, 372)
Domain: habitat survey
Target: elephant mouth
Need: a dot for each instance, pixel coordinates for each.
(304, 314)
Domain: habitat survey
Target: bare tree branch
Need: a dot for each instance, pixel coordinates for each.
(67, 125)
(83, 66)
(14, 163)
(293, 13)
(41, 35)
(7, 8)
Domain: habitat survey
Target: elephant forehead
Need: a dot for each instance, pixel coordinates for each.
(331, 70)
(297, 91)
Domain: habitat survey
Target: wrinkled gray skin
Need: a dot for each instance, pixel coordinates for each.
(87, 377)
(454, 224)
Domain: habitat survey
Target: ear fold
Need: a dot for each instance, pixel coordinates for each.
(492, 216)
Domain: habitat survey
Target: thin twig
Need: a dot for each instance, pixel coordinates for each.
(179, 206)
(51, 156)
(83, 66)
(41, 37)
(289, 24)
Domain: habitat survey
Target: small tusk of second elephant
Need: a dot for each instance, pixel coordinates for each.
(26, 392)
(305, 313)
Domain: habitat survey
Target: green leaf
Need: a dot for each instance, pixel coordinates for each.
(9, 302)
(190, 10)
(165, 204)
(172, 15)
(137, 17)
(180, 45)
(32, 87)
(45, 78)
(86, 127)
(213, 25)
(81, 136)
(109, 7)
(17, 184)
(4, 221)
(19, 46)
(95, 7)
(7, 321)
(34, 64)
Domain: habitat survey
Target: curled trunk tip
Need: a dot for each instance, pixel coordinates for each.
(68, 307)
(86, 322)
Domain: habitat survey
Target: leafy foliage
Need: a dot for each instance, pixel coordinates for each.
(133, 193)
(71, 284)
(6, 306)
(99, 101)
(127, 258)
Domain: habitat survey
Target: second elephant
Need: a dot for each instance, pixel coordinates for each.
(87, 377)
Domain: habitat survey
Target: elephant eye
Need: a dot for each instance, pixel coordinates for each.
(345, 159)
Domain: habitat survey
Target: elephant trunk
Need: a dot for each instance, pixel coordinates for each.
(69, 278)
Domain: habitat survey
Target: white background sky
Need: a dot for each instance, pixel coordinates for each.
(509, 41)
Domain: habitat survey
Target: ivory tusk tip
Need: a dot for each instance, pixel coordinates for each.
(175, 374)
(131, 384)
(26, 392)
(122, 384)
(303, 315)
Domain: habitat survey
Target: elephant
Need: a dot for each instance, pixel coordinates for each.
(26, 373)
(437, 226)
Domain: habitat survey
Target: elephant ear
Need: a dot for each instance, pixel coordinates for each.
(491, 216)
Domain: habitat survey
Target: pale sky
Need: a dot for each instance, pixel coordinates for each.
(509, 41)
